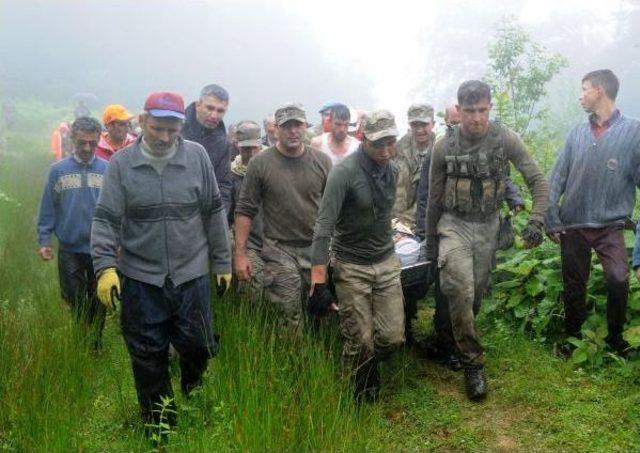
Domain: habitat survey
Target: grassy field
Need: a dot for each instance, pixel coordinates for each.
(264, 392)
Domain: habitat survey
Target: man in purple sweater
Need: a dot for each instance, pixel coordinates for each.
(592, 192)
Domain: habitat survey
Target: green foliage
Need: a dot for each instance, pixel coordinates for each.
(519, 70)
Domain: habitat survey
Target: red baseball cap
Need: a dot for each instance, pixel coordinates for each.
(164, 104)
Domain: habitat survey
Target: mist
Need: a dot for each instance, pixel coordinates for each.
(367, 55)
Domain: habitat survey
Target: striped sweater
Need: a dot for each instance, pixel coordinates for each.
(593, 183)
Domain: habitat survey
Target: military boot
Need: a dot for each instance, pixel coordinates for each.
(475, 382)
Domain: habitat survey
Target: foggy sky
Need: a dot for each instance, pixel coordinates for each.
(365, 54)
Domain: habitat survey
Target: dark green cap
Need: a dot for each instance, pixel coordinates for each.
(290, 112)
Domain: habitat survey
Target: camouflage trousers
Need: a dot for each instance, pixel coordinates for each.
(465, 254)
(287, 278)
(253, 290)
(371, 309)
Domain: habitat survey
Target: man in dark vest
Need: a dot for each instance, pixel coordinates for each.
(467, 179)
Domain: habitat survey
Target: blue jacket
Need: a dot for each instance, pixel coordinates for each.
(68, 201)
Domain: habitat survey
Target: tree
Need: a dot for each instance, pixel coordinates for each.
(519, 70)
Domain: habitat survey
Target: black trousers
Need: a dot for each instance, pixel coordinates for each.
(575, 249)
(78, 287)
(152, 317)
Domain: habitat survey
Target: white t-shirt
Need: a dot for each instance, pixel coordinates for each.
(335, 159)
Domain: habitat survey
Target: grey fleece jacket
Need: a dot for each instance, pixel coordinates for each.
(167, 225)
(593, 182)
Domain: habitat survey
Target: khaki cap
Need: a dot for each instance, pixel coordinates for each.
(248, 134)
(379, 124)
(422, 113)
(290, 112)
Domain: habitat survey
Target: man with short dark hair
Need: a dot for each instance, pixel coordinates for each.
(286, 181)
(336, 143)
(592, 192)
(117, 122)
(68, 202)
(204, 124)
(467, 181)
(161, 224)
(323, 125)
(355, 217)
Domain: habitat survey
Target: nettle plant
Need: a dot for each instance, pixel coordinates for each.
(527, 292)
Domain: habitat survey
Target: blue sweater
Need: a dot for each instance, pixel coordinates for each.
(593, 182)
(68, 201)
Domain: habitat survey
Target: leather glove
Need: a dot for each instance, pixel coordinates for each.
(533, 234)
(223, 281)
(109, 287)
(431, 246)
(320, 300)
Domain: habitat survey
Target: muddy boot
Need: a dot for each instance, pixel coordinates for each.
(475, 382)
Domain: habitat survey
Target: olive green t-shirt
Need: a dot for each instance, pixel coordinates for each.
(289, 189)
(361, 232)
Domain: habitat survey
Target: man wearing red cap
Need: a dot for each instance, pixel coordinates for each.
(161, 206)
(117, 120)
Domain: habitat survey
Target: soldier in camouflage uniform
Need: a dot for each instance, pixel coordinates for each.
(412, 149)
(285, 182)
(355, 218)
(249, 144)
(467, 183)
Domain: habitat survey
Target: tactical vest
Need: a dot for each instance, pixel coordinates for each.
(475, 176)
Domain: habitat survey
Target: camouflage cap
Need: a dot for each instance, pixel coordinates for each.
(379, 124)
(248, 134)
(422, 113)
(290, 112)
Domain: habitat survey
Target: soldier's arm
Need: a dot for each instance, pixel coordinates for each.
(107, 219)
(330, 207)
(246, 209)
(422, 198)
(401, 201)
(517, 153)
(436, 184)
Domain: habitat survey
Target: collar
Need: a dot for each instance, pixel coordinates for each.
(81, 162)
(615, 116)
(179, 158)
(192, 120)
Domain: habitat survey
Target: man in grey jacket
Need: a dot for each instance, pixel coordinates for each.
(592, 193)
(159, 221)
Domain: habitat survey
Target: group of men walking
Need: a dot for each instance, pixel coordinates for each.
(153, 223)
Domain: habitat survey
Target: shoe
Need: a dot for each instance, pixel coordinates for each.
(441, 354)
(475, 382)
(619, 345)
(452, 361)
(564, 350)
